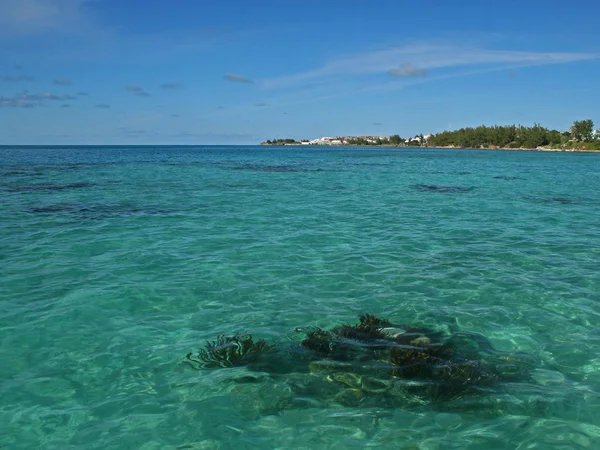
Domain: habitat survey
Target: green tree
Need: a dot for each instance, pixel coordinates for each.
(582, 130)
(395, 139)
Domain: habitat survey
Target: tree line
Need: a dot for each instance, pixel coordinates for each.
(281, 141)
(580, 135)
(361, 140)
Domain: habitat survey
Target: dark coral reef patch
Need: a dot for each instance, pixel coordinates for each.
(441, 189)
(377, 356)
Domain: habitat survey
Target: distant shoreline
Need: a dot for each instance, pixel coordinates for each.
(523, 149)
(447, 147)
(581, 137)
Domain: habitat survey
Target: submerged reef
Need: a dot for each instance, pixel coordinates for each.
(48, 187)
(375, 358)
(443, 189)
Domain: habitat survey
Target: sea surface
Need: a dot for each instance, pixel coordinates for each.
(116, 262)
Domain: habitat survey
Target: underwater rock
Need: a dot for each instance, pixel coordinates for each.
(507, 177)
(376, 358)
(551, 200)
(49, 187)
(442, 189)
(562, 200)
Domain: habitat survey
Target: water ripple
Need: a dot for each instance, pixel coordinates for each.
(96, 314)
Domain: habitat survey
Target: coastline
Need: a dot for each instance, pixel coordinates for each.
(581, 137)
(522, 149)
(447, 147)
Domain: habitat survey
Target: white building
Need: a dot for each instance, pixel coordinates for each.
(326, 140)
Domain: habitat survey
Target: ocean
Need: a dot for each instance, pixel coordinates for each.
(117, 262)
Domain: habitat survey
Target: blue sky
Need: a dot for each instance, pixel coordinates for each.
(208, 72)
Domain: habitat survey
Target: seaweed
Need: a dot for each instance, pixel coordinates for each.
(427, 363)
(373, 320)
(369, 328)
(347, 342)
(319, 341)
(227, 351)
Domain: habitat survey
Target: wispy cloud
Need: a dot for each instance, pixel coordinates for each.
(15, 78)
(26, 17)
(49, 96)
(235, 78)
(172, 86)
(102, 106)
(353, 77)
(27, 100)
(369, 73)
(407, 70)
(137, 90)
(415, 60)
(63, 82)
(15, 102)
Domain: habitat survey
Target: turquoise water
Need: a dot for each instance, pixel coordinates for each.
(116, 262)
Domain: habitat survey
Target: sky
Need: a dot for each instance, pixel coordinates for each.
(243, 71)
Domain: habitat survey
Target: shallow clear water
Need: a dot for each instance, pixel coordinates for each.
(116, 262)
